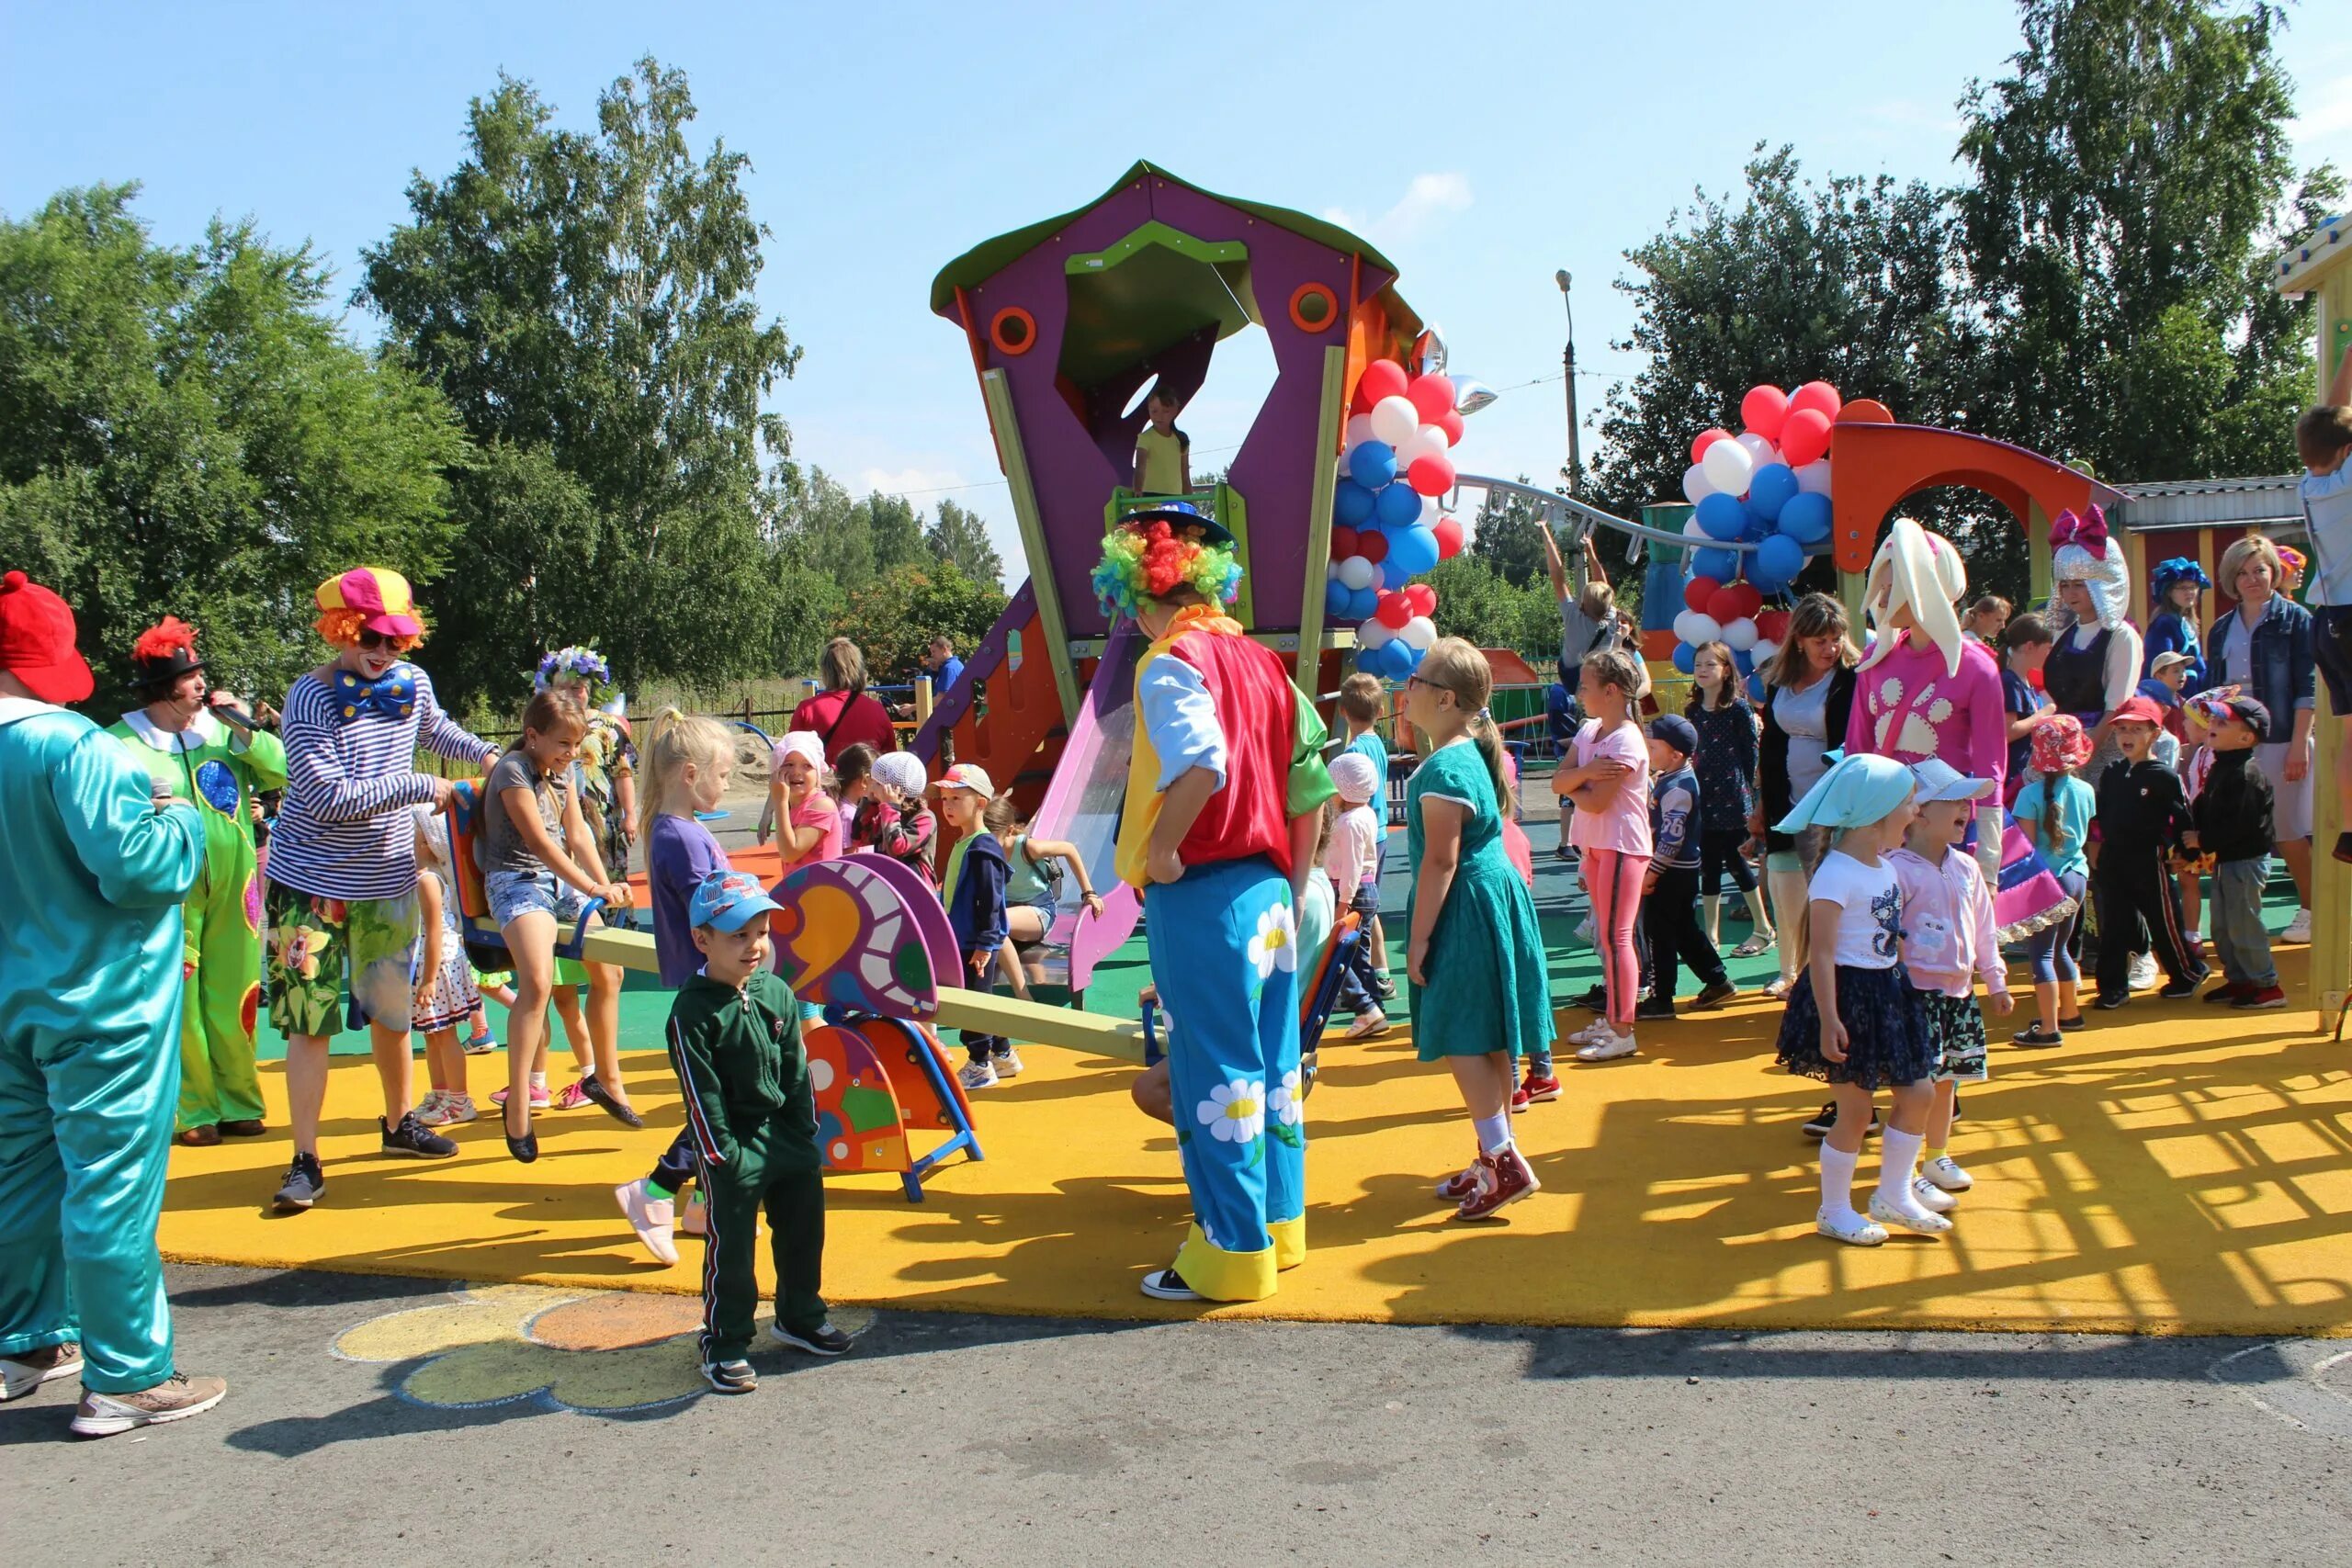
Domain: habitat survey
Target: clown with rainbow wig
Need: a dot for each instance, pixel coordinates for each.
(1225, 789)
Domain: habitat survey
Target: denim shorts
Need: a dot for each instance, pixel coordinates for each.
(513, 892)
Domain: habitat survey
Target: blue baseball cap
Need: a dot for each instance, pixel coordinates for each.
(728, 900)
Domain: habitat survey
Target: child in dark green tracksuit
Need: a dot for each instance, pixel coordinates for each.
(735, 1040)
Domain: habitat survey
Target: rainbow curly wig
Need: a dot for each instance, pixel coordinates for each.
(1148, 562)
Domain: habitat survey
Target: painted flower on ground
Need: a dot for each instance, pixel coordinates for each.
(1234, 1113)
(1288, 1103)
(1276, 944)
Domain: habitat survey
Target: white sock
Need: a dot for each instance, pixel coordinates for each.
(1899, 1156)
(1838, 1181)
(538, 1080)
(1494, 1131)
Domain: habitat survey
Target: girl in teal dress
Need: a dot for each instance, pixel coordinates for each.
(1476, 962)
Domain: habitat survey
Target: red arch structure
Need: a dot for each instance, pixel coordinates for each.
(1878, 465)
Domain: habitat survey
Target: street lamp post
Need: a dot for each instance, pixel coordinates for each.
(1568, 363)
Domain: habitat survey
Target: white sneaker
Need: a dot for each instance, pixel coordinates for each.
(976, 1075)
(1597, 1030)
(1850, 1227)
(651, 1218)
(1909, 1217)
(460, 1107)
(1945, 1172)
(1932, 1198)
(695, 1220)
(429, 1111)
(1006, 1063)
(1607, 1050)
(2144, 971)
(1584, 930)
(2298, 929)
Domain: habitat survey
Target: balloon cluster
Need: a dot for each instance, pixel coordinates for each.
(1386, 525)
(1768, 487)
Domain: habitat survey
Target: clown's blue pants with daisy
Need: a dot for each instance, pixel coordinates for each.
(1225, 956)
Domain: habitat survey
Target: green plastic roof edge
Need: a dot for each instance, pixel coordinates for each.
(1155, 232)
(990, 257)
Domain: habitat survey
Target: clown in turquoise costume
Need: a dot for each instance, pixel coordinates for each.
(204, 751)
(95, 869)
(1225, 788)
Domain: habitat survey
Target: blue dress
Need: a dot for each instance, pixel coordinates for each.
(1487, 990)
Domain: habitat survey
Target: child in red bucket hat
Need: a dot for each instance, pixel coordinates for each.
(2143, 824)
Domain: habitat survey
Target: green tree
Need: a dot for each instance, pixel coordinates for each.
(1508, 537)
(895, 529)
(958, 535)
(182, 432)
(586, 302)
(2132, 180)
(895, 615)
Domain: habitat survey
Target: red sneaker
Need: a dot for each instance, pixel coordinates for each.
(1519, 1101)
(1503, 1179)
(1538, 1090)
(2262, 997)
(1460, 1185)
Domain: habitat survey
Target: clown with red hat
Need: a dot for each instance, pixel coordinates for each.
(201, 748)
(99, 861)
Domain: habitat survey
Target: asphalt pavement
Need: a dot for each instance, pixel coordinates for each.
(960, 1439)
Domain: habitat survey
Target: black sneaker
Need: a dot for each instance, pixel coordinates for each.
(414, 1140)
(2033, 1037)
(1716, 994)
(2182, 989)
(305, 1185)
(1167, 1285)
(730, 1377)
(2109, 1000)
(1595, 1000)
(822, 1340)
(1655, 1011)
(2344, 845)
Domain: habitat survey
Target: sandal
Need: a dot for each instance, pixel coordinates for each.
(1759, 943)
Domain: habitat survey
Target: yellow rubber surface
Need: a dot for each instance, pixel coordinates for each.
(2172, 1169)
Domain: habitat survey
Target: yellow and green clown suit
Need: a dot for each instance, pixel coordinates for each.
(1224, 939)
(90, 950)
(217, 768)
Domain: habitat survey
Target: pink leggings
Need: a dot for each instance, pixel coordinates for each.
(1614, 881)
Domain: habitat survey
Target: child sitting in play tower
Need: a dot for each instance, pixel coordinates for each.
(1163, 453)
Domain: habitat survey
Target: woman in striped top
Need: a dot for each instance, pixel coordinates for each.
(341, 902)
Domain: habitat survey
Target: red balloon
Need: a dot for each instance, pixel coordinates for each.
(1697, 591)
(1373, 545)
(1723, 604)
(1805, 437)
(1432, 475)
(1449, 537)
(1393, 610)
(1422, 597)
(1431, 396)
(1818, 395)
(1705, 439)
(1343, 541)
(1763, 410)
(1450, 422)
(1866, 411)
(1380, 378)
(1773, 625)
(1750, 600)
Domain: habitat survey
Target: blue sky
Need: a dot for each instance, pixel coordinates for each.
(1481, 147)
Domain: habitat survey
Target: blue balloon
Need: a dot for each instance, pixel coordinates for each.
(1686, 657)
(1722, 516)
(1363, 603)
(1411, 551)
(1372, 464)
(1396, 659)
(1756, 690)
(1806, 518)
(1398, 506)
(1779, 558)
(1351, 504)
(1368, 659)
(1721, 564)
(1770, 490)
(1337, 598)
(1744, 659)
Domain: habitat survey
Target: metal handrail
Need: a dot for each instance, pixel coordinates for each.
(1568, 505)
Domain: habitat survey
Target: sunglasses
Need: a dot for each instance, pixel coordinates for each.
(376, 642)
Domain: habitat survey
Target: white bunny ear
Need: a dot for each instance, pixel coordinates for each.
(1919, 566)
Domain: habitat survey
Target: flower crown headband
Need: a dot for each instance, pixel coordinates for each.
(1150, 561)
(573, 666)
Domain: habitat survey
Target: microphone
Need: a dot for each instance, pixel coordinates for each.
(236, 715)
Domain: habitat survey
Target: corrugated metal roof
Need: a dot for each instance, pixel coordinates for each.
(2182, 503)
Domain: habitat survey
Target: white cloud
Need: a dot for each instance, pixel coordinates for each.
(1427, 199)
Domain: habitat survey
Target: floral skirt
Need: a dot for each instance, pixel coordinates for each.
(1956, 1031)
(1886, 1031)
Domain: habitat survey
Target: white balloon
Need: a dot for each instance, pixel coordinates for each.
(1331, 573)
(1690, 530)
(1740, 636)
(1764, 649)
(1357, 572)
(1359, 431)
(1703, 627)
(1395, 421)
(1430, 511)
(1437, 432)
(1814, 477)
(1759, 451)
(1420, 632)
(1686, 625)
(1372, 634)
(1728, 467)
(1427, 442)
(1379, 576)
(1695, 486)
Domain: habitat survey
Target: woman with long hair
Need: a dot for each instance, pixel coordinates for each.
(1808, 696)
